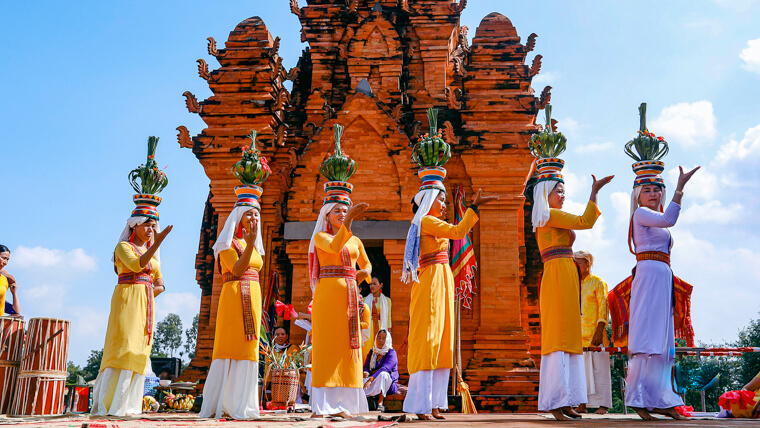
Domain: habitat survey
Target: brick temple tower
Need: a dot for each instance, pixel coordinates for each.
(413, 54)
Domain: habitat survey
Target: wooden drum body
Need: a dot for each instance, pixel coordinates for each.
(11, 345)
(42, 375)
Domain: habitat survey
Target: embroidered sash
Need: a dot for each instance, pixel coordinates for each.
(556, 252)
(347, 272)
(429, 259)
(654, 255)
(145, 278)
(250, 275)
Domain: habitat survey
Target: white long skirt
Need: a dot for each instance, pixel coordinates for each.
(562, 381)
(598, 379)
(334, 400)
(380, 385)
(428, 390)
(117, 392)
(232, 388)
(651, 343)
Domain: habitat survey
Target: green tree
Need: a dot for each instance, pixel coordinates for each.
(191, 336)
(74, 373)
(91, 369)
(750, 362)
(168, 336)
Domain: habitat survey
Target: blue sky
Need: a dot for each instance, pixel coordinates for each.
(85, 84)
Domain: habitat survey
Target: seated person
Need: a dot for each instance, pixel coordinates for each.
(281, 346)
(165, 373)
(744, 403)
(381, 369)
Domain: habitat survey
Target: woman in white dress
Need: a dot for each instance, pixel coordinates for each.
(651, 343)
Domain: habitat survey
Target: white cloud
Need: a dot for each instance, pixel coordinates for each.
(703, 184)
(183, 304)
(746, 149)
(544, 78)
(751, 56)
(44, 258)
(621, 202)
(575, 185)
(594, 148)
(736, 5)
(688, 124)
(568, 127)
(712, 212)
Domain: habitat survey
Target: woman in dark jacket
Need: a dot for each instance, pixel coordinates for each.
(381, 369)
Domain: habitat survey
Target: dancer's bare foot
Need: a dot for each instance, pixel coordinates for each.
(570, 412)
(344, 415)
(424, 417)
(581, 409)
(670, 412)
(601, 411)
(316, 416)
(437, 414)
(644, 414)
(558, 415)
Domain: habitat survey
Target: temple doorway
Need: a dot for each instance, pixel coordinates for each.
(380, 267)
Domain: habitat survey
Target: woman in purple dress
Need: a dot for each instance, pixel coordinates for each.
(381, 369)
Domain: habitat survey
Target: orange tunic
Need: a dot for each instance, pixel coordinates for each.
(559, 296)
(229, 341)
(431, 324)
(334, 363)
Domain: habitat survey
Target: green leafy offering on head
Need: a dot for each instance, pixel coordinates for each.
(253, 168)
(646, 146)
(338, 166)
(432, 149)
(151, 180)
(547, 143)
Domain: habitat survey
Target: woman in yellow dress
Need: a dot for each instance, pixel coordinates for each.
(336, 382)
(562, 374)
(431, 325)
(231, 388)
(119, 386)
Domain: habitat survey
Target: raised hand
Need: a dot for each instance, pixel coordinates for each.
(249, 234)
(356, 210)
(598, 184)
(162, 234)
(684, 178)
(479, 199)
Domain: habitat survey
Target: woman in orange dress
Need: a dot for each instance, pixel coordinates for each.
(231, 388)
(334, 252)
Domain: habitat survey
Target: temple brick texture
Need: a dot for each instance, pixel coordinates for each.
(413, 54)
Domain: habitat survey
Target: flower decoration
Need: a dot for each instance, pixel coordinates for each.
(646, 146)
(252, 168)
(147, 178)
(432, 149)
(547, 143)
(338, 166)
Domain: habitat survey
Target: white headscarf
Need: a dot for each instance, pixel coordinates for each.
(424, 200)
(132, 222)
(541, 212)
(635, 199)
(224, 240)
(321, 226)
(377, 353)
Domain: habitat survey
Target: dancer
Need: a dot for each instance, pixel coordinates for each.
(431, 324)
(651, 343)
(562, 376)
(8, 283)
(119, 386)
(336, 382)
(232, 385)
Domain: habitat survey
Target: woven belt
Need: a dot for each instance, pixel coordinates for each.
(429, 259)
(136, 278)
(337, 272)
(654, 255)
(557, 252)
(249, 275)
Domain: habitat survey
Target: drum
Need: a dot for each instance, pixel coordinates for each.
(42, 375)
(11, 344)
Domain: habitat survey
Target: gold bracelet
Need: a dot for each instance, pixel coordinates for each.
(678, 192)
